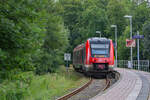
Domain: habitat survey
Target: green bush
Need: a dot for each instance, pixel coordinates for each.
(30, 36)
(17, 87)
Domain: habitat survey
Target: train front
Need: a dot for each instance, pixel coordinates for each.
(99, 55)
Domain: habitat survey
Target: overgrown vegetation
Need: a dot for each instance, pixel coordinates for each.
(28, 86)
(32, 36)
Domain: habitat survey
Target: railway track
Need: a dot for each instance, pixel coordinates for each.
(65, 97)
(111, 78)
(92, 87)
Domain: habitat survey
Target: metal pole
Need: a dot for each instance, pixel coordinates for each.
(138, 52)
(131, 38)
(67, 66)
(148, 65)
(99, 33)
(116, 43)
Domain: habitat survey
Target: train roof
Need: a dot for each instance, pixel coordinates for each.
(97, 39)
(79, 47)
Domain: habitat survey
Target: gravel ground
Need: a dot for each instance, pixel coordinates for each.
(91, 91)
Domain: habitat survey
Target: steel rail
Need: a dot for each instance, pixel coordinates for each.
(65, 97)
(108, 80)
(107, 84)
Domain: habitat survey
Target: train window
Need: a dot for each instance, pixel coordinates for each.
(84, 54)
(100, 49)
(76, 57)
(99, 45)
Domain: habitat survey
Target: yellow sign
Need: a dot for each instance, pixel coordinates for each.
(98, 55)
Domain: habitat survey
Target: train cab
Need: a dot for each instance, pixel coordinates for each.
(96, 55)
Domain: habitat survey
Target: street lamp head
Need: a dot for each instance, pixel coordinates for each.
(128, 16)
(98, 32)
(113, 25)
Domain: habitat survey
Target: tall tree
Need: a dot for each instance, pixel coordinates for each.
(29, 31)
(116, 12)
(140, 14)
(146, 43)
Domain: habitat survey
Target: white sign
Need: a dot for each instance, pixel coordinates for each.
(129, 64)
(67, 56)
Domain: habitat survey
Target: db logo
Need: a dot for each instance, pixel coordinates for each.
(100, 60)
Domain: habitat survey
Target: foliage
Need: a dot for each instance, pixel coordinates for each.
(31, 31)
(123, 51)
(146, 43)
(116, 12)
(83, 18)
(140, 16)
(27, 86)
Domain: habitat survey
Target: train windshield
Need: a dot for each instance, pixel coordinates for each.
(100, 50)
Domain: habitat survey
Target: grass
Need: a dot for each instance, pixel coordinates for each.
(28, 86)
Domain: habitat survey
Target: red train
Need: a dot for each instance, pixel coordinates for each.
(96, 55)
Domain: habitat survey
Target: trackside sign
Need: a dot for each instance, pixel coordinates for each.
(138, 37)
(130, 43)
(67, 56)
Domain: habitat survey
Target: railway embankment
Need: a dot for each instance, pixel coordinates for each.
(28, 86)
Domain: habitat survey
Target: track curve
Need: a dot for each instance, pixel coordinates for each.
(65, 97)
(91, 88)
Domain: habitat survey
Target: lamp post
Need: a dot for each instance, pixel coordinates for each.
(115, 26)
(99, 32)
(130, 18)
(138, 55)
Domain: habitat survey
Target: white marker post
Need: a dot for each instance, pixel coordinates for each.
(67, 57)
